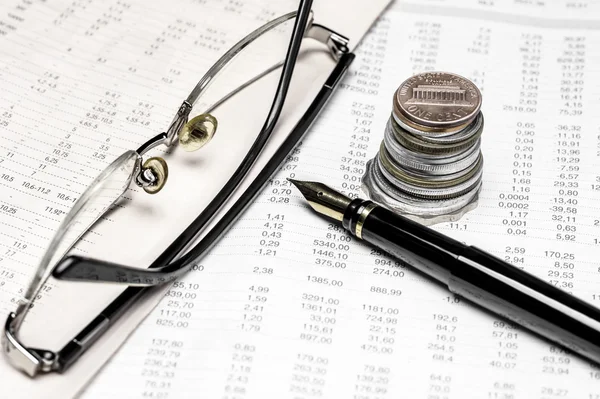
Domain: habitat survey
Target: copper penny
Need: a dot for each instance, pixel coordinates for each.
(437, 101)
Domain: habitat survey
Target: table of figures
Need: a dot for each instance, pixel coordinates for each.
(289, 305)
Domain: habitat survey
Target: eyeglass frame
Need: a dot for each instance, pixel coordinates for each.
(33, 361)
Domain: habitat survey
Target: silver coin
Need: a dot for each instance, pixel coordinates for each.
(423, 211)
(440, 157)
(423, 178)
(431, 165)
(475, 128)
(434, 190)
(419, 130)
(421, 145)
(437, 101)
(450, 175)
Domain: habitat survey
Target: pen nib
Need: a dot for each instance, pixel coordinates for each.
(323, 199)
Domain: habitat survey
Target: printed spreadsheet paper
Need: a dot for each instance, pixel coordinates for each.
(287, 305)
(83, 81)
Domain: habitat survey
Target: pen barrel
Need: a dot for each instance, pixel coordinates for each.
(528, 301)
(481, 278)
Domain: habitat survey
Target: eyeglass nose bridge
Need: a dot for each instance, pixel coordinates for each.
(178, 122)
(30, 361)
(167, 138)
(193, 135)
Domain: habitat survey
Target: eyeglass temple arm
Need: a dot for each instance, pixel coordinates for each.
(336, 43)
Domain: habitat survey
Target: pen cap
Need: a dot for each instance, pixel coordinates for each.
(415, 245)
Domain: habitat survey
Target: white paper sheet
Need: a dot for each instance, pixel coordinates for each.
(288, 306)
(81, 83)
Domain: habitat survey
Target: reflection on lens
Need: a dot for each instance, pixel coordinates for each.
(104, 191)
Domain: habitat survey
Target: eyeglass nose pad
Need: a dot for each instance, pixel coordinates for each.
(198, 132)
(160, 171)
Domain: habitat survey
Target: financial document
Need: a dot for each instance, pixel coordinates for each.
(288, 305)
(84, 81)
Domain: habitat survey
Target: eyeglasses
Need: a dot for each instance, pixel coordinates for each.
(237, 69)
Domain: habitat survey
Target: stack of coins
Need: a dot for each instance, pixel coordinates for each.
(429, 165)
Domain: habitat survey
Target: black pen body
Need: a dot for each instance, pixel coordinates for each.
(482, 278)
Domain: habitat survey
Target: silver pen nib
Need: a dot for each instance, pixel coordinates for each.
(323, 199)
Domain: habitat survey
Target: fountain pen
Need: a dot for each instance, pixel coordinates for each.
(467, 271)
